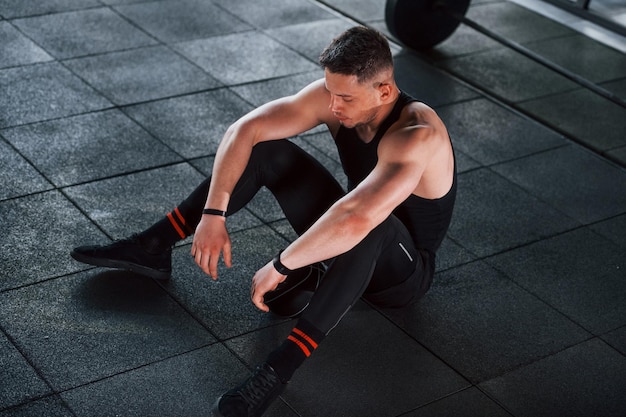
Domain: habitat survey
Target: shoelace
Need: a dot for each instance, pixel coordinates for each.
(256, 388)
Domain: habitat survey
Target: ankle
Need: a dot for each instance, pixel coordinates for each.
(151, 244)
(291, 354)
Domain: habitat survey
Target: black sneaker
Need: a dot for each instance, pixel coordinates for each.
(253, 397)
(127, 254)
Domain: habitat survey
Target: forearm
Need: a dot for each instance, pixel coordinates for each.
(231, 159)
(336, 232)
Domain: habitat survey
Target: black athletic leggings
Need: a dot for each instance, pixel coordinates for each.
(385, 267)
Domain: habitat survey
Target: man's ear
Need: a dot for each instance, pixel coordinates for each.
(385, 89)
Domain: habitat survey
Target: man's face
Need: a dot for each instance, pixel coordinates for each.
(352, 103)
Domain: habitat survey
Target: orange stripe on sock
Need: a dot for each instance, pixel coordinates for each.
(305, 337)
(175, 225)
(180, 217)
(301, 345)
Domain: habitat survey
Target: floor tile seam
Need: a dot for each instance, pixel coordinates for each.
(540, 298)
(52, 13)
(48, 188)
(512, 105)
(486, 259)
(460, 56)
(62, 188)
(30, 64)
(232, 87)
(30, 363)
(541, 358)
(206, 326)
(335, 10)
(263, 223)
(606, 334)
(267, 32)
(90, 55)
(566, 73)
(452, 394)
(566, 36)
(133, 369)
(589, 145)
(109, 52)
(66, 116)
(516, 105)
(44, 280)
(524, 44)
(111, 8)
(276, 230)
(492, 165)
(63, 62)
(620, 79)
(593, 87)
(529, 192)
(280, 321)
(34, 399)
(381, 312)
(26, 36)
(484, 91)
(554, 126)
(602, 93)
(131, 172)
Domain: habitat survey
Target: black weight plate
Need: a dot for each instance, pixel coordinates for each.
(422, 24)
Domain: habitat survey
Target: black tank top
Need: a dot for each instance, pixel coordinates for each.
(427, 220)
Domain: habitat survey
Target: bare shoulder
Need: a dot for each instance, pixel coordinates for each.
(418, 128)
(420, 140)
(290, 115)
(315, 98)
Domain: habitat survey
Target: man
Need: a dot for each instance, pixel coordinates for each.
(379, 239)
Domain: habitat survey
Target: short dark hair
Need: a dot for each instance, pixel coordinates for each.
(359, 51)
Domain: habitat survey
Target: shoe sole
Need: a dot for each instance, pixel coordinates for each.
(129, 266)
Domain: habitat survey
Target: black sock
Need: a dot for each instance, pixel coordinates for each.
(177, 224)
(299, 345)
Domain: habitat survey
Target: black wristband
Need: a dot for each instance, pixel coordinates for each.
(278, 266)
(214, 212)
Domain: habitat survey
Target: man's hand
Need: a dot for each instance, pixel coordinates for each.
(266, 279)
(210, 239)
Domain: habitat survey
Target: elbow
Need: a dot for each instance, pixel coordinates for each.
(243, 129)
(357, 222)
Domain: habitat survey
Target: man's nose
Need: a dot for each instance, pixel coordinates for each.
(334, 104)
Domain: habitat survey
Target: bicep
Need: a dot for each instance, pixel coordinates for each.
(385, 188)
(397, 174)
(289, 116)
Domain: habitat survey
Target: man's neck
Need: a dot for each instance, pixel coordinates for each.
(367, 131)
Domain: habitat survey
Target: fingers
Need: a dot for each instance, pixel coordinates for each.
(211, 266)
(257, 300)
(208, 260)
(257, 295)
(210, 240)
(265, 279)
(226, 254)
